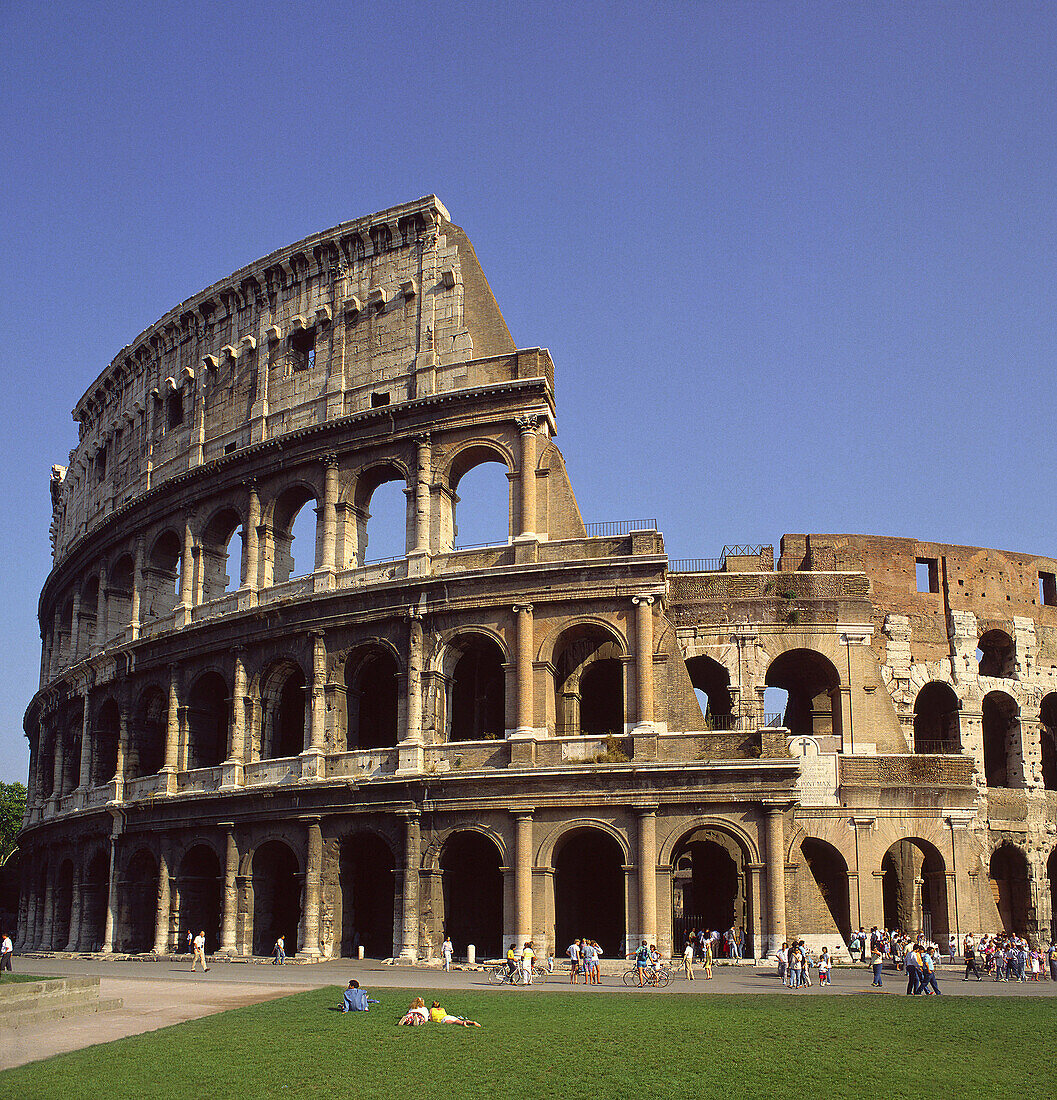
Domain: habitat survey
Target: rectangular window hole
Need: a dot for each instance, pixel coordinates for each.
(175, 406)
(378, 399)
(229, 448)
(928, 574)
(1048, 589)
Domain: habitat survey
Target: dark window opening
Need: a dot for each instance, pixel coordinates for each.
(379, 399)
(100, 465)
(928, 574)
(303, 349)
(1048, 589)
(229, 448)
(175, 409)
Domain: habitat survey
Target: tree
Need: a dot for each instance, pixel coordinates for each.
(12, 808)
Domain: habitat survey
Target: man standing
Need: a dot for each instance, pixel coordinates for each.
(910, 962)
(446, 951)
(969, 950)
(574, 961)
(528, 957)
(199, 945)
(7, 950)
(735, 942)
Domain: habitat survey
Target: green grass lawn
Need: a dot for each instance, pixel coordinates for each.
(638, 1045)
(16, 977)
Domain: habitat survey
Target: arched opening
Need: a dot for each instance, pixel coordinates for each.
(708, 886)
(825, 891)
(65, 638)
(104, 754)
(276, 898)
(712, 686)
(1001, 722)
(995, 654)
(146, 748)
(1048, 733)
(139, 905)
(86, 615)
(588, 683)
(813, 686)
(294, 534)
(62, 905)
(162, 577)
(473, 893)
(221, 557)
(209, 707)
(589, 890)
(381, 514)
(481, 499)
(936, 719)
(914, 889)
(1010, 886)
(478, 691)
(1051, 874)
(201, 886)
(368, 890)
(119, 597)
(95, 887)
(372, 699)
(284, 713)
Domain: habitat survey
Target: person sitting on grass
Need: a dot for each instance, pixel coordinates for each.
(440, 1015)
(416, 1014)
(356, 999)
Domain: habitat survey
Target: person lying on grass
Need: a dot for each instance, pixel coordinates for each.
(440, 1016)
(356, 999)
(416, 1014)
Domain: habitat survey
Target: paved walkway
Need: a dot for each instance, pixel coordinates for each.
(160, 992)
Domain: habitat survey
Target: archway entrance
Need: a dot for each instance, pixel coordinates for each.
(200, 884)
(477, 687)
(914, 889)
(936, 719)
(371, 700)
(813, 686)
(588, 684)
(276, 898)
(207, 721)
(589, 891)
(139, 903)
(62, 906)
(367, 896)
(708, 886)
(824, 893)
(94, 889)
(1008, 872)
(473, 894)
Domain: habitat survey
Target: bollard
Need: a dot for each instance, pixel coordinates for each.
(359, 952)
(471, 954)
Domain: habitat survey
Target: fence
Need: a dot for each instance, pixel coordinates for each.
(613, 527)
(695, 565)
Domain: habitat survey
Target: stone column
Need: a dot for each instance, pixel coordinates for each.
(330, 513)
(101, 626)
(172, 727)
(137, 589)
(412, 855)
(231, 898)
(58, 768)
(49, 904)
(161, 920)
(187, 567)
(84, 775)
(411, 754)
(527, 482)
(250, 543)
(316, 732)
(74, 942)
(525, 719)
(644, 658)
(122, 750)
(423, 466)
(237, 748)
(523, 874)
(75, 627)
(775, 857)
(648, 874)
(313, 875)
(55, 657)
(111, 900)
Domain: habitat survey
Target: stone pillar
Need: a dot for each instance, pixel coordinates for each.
(422, 478)
(412, 855)
(111, 900)
(412, 756)
(187, 567)
(58, 765)
(316, 733)
(137, 589)
(644, 658)
(775, 857)
(231, 897)
(122, 750)
(755, 926)
(74, 942)
(330, 513)
(250, 543)
(647, 884)
(172, 727)
(237, 747)
(55, 657)
(161, 920)
(49, 905)
(101, 626)
(523, 875)
(527, 481)
(84, 776)
(75, 627)
(525, 718)
(313, 875)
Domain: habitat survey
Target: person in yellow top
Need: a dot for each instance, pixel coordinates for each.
(528, 957)
(440, 1015)
(512, 962)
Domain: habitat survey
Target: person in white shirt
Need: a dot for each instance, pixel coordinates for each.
(688, 960)
(7, 950)
(528, 957)
(574, 960)
(446, 951)
(199, 945)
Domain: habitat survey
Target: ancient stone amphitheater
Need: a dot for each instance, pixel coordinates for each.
(563, 733)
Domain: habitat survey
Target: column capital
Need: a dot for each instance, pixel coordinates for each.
(250, 484)
(519, 607)
(646, 811)
(527, 424)
(423, 439)
(862, 822)
(522, 811)
(643, 599)
(329, 461)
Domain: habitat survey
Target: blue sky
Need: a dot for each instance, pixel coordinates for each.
(794, 261)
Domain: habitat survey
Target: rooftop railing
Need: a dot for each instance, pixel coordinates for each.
(614, 527)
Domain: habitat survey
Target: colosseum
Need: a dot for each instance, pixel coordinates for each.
(562, 733)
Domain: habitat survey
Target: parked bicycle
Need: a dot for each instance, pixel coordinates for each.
(659, 976)
(500, 974)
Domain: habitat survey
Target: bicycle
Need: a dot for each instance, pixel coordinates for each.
(501, 974)
(661, 976)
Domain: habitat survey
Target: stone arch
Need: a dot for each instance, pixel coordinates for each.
(277, 896)
(62, 905)
(589, 692)
(1001, 732)
(219, 573)
(553, 840)
(372, 696)
(735, 831)
(86, 616)
(914, 888)
(712, 680)
(387, 543)
(367, 863)
(471, 861)
(105, 734)
(813, 685)
(936, 719)
(476, 519)
(284, 700)
(283, 512)
(147, 733)
(208, 719)
(473, 663)
(824, 891)
(138, 902)
(1048, 734)
(95, 888)
(119, 585)
(590, 896)
(162, 575)
(1009, 873)
(200, 883)
(996, 654)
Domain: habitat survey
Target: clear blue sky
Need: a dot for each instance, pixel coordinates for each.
(794, 261)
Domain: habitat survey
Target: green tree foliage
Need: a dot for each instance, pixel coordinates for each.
(12, 807)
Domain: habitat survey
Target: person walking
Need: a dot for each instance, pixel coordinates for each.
(279, 951)
(928, 970)
(7, 951)
(911, 962)
(823, 968)
(199, 946)
(528, 957)
(446, 952)
(688, 960)
(877, 958)
(969, 951)
(708, 959)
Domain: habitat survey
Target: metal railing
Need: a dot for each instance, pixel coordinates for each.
(695, 565)
(772, 721)
(742, 551)
(615, 527)
(722, 723)
(946, 747)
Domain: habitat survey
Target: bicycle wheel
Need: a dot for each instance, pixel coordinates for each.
(630, 977)
(664, 976)
(540, 974)
(496, 974)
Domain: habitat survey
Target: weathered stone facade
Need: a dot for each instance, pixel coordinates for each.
(503, 741)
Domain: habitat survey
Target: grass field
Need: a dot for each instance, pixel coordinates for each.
(640, 1046)
(15, 977)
